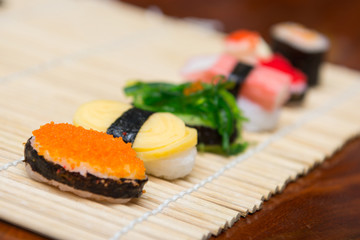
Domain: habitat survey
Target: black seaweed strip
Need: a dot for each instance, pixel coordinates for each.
(115, 188)
(128, 125)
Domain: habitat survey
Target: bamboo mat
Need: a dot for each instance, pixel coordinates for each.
(56, 55)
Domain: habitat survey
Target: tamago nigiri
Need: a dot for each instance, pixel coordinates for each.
(161, 140)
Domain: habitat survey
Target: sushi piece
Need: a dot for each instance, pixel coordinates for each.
(238, 77)
(298, 85)
(161, 140)
(212, 69)
(261, 97)
(247, 46)
(206, 68)
(209, 108)
(303, 47)
(87, 163)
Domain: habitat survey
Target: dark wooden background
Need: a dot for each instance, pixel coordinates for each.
(325, 204)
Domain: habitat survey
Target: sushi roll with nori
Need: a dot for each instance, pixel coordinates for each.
(247, 46)
(88, 163)
(261, 97)
(298, 85)
(206, 68)
(161, 140)
(303, 47)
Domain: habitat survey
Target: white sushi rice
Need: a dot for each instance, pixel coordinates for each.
(258, 118)
(243, 51)
(293, 34)
(172, 167)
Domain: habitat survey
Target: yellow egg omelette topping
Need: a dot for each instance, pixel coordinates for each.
(76, 149)
(161, 136)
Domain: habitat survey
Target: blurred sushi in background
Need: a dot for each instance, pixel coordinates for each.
(298, 85)
(206, 68)
(304, 48)
(261, 97)
(263, 81)
(247, 46)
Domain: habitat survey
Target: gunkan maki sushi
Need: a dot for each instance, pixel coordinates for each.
(209, 108)
(87, 163)
(161, 140)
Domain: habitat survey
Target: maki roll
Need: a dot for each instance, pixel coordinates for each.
(209, 108)
(88, 163)
(161, 140)
(206, 68)
(247, 46)
(303, 47)
(261, 97)
(298, 85)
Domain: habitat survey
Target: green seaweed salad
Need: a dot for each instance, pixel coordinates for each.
(207, 107)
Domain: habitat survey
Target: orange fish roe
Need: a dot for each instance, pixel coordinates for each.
(76, 149)
(252, 37)
(193, 88)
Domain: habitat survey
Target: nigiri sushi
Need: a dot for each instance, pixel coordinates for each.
(303, 47)
(298, 85)
(238, 77)
(161, 140)
(206, 68)
(247, 46)
(87, 163)
(263, 93)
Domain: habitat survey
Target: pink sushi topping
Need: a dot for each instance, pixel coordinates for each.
(267, 87)
(206, 68)
(282, 64)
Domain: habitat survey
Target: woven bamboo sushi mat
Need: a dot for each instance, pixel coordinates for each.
(56, 55)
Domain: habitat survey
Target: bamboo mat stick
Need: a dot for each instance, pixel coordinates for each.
(54, 227)
(312, 139)
(189, 209)
(240, 171)
(193, 197)
(257, 181)
(296, 149)
(291, 156)
(244, 204)
(169, 222)
(210, 227)
(63, 205)
(230, 215)
(301, 168)
(245, 187)
(218, 193)
(279, 176)
(252, 191)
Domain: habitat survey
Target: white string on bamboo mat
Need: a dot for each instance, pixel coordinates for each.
(11, 164)
(311, 114)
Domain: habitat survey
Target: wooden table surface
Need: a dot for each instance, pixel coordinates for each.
(325, 203)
